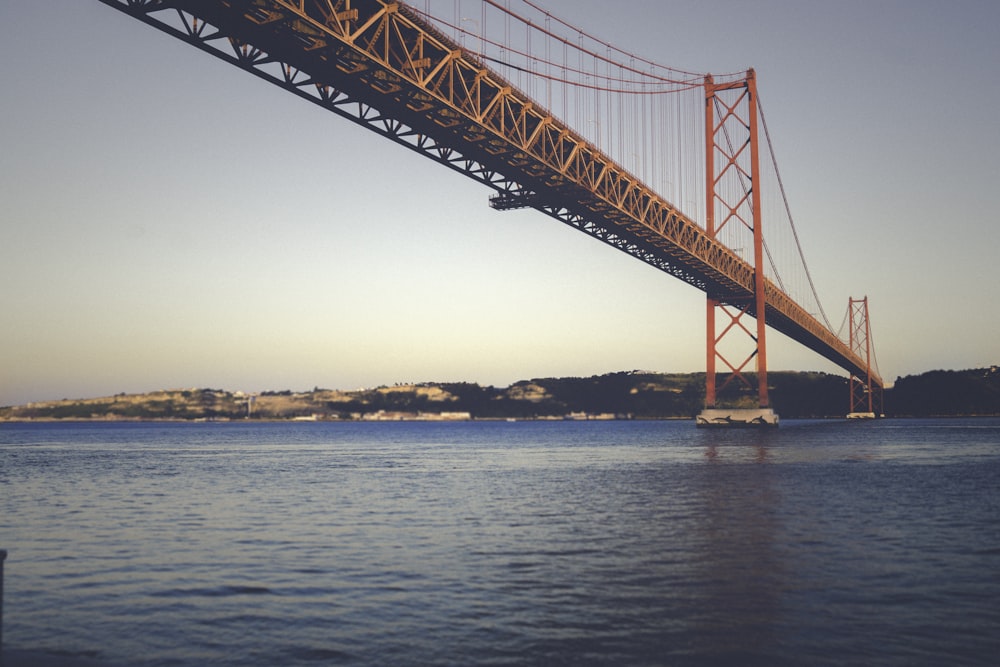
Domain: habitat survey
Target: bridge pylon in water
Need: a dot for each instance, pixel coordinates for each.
(733, 211)
(866, 395)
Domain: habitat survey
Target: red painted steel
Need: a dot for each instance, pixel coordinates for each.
(378, 64)
(865, 393)
(741, 164)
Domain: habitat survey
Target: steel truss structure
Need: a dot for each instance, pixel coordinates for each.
(376, 63)
(866, 393)
(733, 198)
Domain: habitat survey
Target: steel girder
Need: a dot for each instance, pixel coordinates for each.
(419, 89)
(378, 64)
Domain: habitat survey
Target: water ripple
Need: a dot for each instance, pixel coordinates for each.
(477, 544)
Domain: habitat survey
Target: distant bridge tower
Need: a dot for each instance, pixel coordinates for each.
(733, 212)
(866, 395)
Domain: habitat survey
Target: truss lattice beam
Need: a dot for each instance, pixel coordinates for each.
(376, 63)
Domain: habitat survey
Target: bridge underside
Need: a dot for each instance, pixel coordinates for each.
(376, 64)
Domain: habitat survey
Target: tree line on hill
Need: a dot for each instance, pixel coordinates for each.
(974, 392)
(634, 394)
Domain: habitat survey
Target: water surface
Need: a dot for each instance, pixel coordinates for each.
(495, 543)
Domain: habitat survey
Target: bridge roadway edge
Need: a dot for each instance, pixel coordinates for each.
(572, 204)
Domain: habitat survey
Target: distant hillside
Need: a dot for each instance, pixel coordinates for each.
(624, 395)
(974, 392)
(635, 394)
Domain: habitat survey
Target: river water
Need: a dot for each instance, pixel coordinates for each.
(496, 543)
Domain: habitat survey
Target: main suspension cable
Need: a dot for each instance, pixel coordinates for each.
(788, 211)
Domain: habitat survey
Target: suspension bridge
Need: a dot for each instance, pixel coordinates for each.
(674, 168)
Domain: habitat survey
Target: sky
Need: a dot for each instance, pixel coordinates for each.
(168, 221)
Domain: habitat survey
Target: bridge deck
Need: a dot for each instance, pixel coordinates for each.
(378, 64)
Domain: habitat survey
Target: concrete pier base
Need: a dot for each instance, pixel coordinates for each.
(736, 417)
